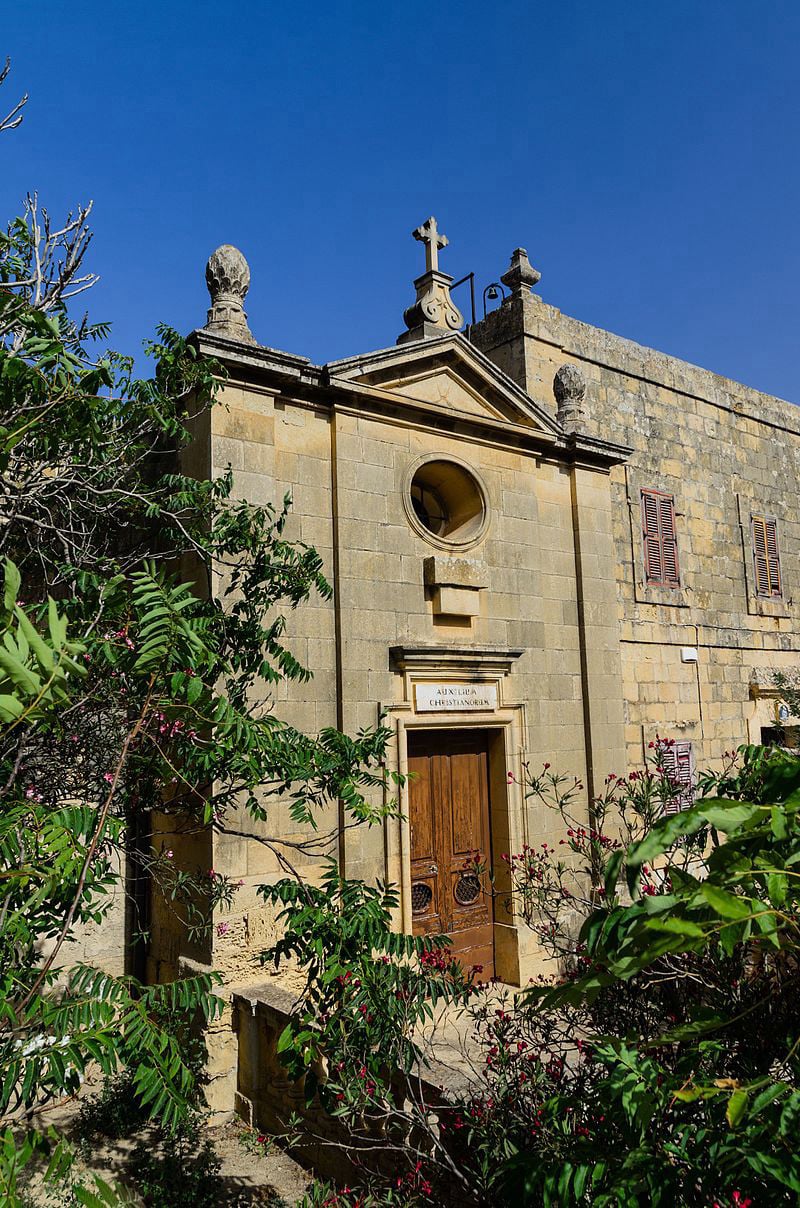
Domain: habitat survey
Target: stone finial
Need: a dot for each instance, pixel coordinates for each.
(228, 280)
(520, 276)
(569, 387)
(434, 312)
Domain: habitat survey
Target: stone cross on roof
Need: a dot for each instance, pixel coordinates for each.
(428, 234)
(434, 313)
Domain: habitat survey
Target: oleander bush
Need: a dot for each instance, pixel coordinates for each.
(658, 1064)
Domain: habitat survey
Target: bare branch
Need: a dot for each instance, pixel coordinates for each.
(14, 118)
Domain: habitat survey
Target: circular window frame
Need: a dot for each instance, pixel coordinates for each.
(444, 542)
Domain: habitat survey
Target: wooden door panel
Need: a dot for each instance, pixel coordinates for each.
(466, 823)
(419, 788)
(469, 890)
(449, 819)
(425, 896)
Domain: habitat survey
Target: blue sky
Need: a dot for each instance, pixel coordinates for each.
(645, 154)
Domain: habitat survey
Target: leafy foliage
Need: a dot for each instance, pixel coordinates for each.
(660, 1065)
(183, 1171)
(127, 686)
(368, 988)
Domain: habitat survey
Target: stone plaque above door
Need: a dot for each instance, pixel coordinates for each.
(448, 697)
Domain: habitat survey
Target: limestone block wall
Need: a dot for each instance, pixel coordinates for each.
(530, 602)
(723, 451)
(101, 945)
(345, 466)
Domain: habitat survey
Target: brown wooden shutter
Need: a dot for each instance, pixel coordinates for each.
(669, 543)
(773, 557)
(685, 765)
(760, 556)
(669, 763)
(766, 557)
(678, 763)
(653, 567)
(659, 539)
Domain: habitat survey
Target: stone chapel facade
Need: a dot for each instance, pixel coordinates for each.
(546, 543)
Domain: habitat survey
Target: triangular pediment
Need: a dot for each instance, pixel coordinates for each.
(447, 374)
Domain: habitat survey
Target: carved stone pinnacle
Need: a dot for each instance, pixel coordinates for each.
(569, 387)
(521, 276)
(228, 280)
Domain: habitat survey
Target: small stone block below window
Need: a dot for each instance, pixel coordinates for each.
(456, 601)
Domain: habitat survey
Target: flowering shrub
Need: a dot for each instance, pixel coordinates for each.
(368, 990)
(658, 1063)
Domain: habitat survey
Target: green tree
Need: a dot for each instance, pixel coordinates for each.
(124, 686)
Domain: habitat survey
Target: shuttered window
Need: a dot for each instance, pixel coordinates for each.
(678, 763)
(765, 556)
(658, 534)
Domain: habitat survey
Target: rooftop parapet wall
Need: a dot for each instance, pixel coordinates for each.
(517, 335)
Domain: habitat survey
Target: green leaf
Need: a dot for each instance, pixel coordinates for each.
(612, 873)
(675, 926)
(728, 905)
(11, 585)
(10, 707)
(737, 1105)
(777, 888)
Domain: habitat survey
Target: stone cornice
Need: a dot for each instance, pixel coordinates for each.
(449, 346)
(392, 406)
(326, 386)
(581, 449)
(259, 357)
(464, 660)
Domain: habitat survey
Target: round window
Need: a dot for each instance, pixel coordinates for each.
(446, 502)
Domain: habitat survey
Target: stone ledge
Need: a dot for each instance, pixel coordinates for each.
(762, 680)
(442, 571)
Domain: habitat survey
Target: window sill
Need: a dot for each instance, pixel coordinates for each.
(762, 606)
(654, 593)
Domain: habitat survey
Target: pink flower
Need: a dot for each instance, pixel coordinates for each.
(510, 777)
(223, 928)
(168, 854)
(108, 777)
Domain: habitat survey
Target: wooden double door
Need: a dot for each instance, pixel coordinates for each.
(450, 824)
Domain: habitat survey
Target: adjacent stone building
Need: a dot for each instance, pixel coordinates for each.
(546, 543)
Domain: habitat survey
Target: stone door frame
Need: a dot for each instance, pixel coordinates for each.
(506, 727)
